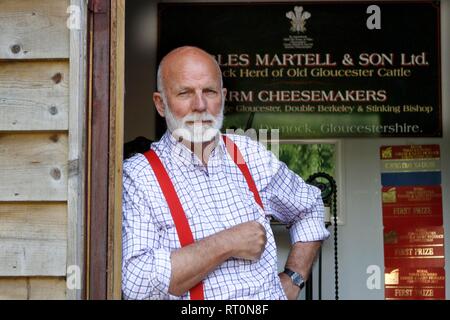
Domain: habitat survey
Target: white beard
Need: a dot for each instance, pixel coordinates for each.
(198, 132)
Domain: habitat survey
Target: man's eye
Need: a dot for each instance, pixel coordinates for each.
(183, 93)
(210, 92)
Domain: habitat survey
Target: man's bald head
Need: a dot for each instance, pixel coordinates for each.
(179, 56)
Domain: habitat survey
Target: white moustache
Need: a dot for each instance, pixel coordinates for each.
(198, 131)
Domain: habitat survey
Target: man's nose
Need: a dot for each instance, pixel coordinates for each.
(199, 103)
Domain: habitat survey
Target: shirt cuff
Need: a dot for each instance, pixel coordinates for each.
(160, 279)
(308, 229)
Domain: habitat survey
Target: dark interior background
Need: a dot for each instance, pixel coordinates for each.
(140, 70)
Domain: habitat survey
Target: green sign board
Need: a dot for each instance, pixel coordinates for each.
(319, 70)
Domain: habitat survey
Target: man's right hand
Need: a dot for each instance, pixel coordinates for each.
(247, 240)
(192, 263)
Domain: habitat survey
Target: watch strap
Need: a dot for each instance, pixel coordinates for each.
(296, 277)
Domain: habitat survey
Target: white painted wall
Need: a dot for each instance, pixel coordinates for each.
(361, 237)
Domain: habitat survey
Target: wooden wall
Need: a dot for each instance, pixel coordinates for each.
(36, 218)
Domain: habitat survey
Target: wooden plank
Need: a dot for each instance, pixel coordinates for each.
(34, 95)
(40, 257)
(34, 29)
(33, 221)
(116, 143)
(33, 238)
(33, 166)
(13, 289)
(98, 218)
(90, 46)
(77, 142)
(47, 288)
(32, 288)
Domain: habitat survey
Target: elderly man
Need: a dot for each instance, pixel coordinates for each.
(197, 206)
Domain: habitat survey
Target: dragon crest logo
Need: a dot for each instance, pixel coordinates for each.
(298, 19)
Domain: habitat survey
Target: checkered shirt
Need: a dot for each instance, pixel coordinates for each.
(214, 197)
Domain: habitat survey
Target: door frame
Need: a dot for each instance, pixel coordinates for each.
(105, 114)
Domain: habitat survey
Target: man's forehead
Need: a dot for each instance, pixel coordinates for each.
(180, 83)
(183, 74)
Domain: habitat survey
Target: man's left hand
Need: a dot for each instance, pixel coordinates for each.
(292, 291)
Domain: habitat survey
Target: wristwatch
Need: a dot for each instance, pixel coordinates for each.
(297, 278)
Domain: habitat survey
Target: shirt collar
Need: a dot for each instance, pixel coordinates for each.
(178, 153)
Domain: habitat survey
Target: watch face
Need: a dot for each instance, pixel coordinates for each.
(298, 280)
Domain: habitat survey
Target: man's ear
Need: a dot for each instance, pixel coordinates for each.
(158, 101)
(224, 92)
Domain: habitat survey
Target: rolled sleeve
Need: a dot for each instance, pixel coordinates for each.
(147, 276)
(160, 279)
(306, 230)
(311, 227)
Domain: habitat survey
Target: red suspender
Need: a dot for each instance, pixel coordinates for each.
(178, 215)
(240, 162)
